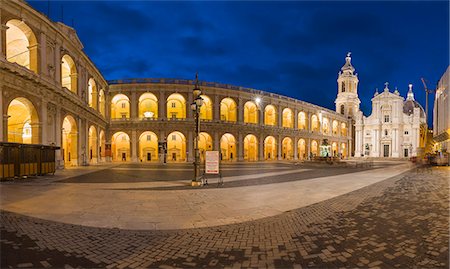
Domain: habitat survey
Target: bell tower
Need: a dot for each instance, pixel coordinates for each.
(347, 101)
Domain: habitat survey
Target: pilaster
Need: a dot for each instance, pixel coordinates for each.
(43, 121)
(134, 146)
(162, 104)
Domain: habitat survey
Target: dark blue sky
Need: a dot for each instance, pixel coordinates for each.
(291, 48)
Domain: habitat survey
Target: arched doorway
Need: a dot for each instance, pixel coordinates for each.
(270, 115)
(315, 123)
(21, 45)
(70, 141)
(23, 122)
(204, 143)
(101, 149)
(250, 148)
(148, 147)
(288, 119)
(314, 148)
(176, 147)
(120, 107)
(92, 93)
(228, 110)
(344, 150)
(68, 74)
(287, 149)
(270, 148)
(301, 149)
(206, 109)
(92, 145)
(301, 121)
(101, 102)
(325, 126)
(176, 106)
(250, 112)
(120, 147)
(335, 127)
(148, 106)
(228, 147)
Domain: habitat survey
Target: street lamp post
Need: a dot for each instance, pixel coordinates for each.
(195, 106)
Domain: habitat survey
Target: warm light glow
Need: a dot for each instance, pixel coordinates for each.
(148, 114)
(228, 147)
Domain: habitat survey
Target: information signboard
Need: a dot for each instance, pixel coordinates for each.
(212, 162)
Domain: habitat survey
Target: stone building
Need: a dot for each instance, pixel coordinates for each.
(51, 93)
(396, 128)
(441, 114)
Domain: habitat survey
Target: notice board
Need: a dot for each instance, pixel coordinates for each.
(212, 162)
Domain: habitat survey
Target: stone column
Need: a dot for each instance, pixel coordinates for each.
(280, 116)
(261, 116)
(3, 28)
(216, 113)
(162, 105)
(133, 105)
(240, 147)
(280, 146)
(296, 121)
(190, 153)
(261, 147)
(216, 143)
(240, 111)
(161, 138)
(3, 119)
(295, 147)
(308, 149)
(43, 54)
(134, 146)
(189, 113)
(58, 138)
(43, 122)
(58, 68)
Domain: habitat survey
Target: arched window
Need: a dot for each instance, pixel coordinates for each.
(92, 93)
(288, 119)
(120, 107)
(228, 110)
(68, 73)
(23, 122)
(301, 120)
(176, 106)
(343, 87)
(148, 106)
(21, 45)
(206, 109)
(270, 115)
(250, 112)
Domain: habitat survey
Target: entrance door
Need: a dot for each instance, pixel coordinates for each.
(149, 156)
(124, 156)
(386, 150)
(406, 152)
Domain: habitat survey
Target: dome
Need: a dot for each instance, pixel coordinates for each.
(409, 105)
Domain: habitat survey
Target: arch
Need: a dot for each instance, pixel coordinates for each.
(228, 110)
(120, 107)
(270, 115)
(92, 145)
(148, 106)
(342, 109)
(343, 129)
(148, 147)
(335, 127)
(92, 93)
(287, 149)
(270, 148)
(69, 76)
(228, 147)
(120, 147)
(301, 149)
(101, 102)
(314, 148)
(206, 111)
(21, 45)
(69, 141)
(23, 122)
(314, 123)
(250, 112)
(342, 86)
(288, 119)
(344, 150)
(301, 121)
(205, 143)
(250, 148)
(334, 149)
(325, 126)
(176, 147)
(101, 148)
(176, 106)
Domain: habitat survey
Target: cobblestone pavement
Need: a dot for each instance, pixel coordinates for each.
(401, 222)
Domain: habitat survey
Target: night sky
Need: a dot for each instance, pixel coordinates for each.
(291, 48)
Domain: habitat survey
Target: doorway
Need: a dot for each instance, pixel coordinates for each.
(386, 150)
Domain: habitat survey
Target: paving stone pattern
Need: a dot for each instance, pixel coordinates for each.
(401, 222)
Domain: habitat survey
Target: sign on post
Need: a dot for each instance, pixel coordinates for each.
(212, 162)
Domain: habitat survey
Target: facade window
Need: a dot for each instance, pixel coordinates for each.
(124, 115)
(406, 132)
(174, 137)
(368, 133)
(343, 87)
(124, 138)
(123, 105)
(342, 109)
(173, 105)
(385, 132)
(149, 138)
(386, 118)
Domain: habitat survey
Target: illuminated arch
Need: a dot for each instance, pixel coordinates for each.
(270, 115)
(206, 111)
(301, 121)
(176, 106)
(120, 147)
(120, 107)
(205, 143)
(288, 119)
(148, 106)
(250, 148)
(344, 150)
(23, 122)
(228, 147)
(343, 129)
(69, 75)
(270, 148)
(250, 112)
(228, 110)
(287, 149)
(335, 127)
(314, 148)
(70, 141)
(92, 93)
(315, 123)
(101, 102)
(334, 149)
(92, 145)
(301, 149)
(176, 147)
(101, 148)
(21, 45)
(325, 126)
(148, 147)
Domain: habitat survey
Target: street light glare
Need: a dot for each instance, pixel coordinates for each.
(258, 100)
